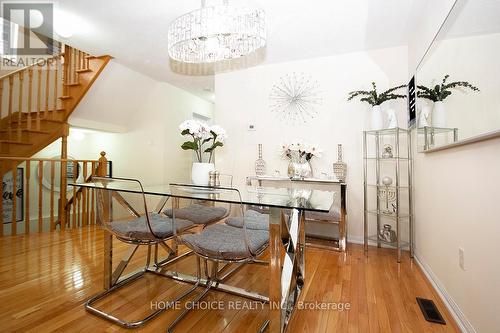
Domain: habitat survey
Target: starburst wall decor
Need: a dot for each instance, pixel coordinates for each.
(295, 98)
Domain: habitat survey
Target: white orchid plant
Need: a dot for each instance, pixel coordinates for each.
(301, 150)
(205, 139)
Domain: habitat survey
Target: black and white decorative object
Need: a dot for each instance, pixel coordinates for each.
(295, 98)
(8, 194)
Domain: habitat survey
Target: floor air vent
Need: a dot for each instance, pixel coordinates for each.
(430, 311)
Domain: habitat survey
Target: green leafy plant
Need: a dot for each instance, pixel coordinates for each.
(202, 135)
(441, 91)
(372, 97)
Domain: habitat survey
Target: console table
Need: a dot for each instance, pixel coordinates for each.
(319, 228)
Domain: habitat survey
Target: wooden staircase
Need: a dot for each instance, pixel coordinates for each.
(36, 101)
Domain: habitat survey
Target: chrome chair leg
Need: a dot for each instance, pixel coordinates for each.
(89, 305)
(210, 282)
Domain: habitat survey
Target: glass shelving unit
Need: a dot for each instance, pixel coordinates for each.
(388, 188)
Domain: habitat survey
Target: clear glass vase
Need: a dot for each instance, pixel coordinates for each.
(299, 167)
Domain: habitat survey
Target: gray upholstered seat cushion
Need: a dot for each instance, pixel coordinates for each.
(333, 216)
(222, 241)
(253, 220)
(199, 214)
(138, 228)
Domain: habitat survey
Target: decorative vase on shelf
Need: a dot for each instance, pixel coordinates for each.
(423, 119)
(299, 167)
(439, 115)
(340, 168)
(392, 119)
(260, 164)
(200, 173)
(377, 122)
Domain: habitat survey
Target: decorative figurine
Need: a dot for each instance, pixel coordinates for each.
(387, 194)
(387, 234)
(387, 152)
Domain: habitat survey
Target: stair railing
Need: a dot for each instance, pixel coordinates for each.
(36, 92)
(31, 201)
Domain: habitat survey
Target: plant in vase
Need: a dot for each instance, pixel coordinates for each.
(438, 94)
(204, 140)
(376, 99)
(300, 154)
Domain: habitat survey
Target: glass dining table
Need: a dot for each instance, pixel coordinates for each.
(286, 207)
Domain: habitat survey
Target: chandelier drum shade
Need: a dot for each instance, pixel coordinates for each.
(216, 33)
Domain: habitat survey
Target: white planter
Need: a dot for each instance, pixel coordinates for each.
(377, 121)
(423, 120)
(439, 115)
(199, 173)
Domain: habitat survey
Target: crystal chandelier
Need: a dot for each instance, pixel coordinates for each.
(216, 33)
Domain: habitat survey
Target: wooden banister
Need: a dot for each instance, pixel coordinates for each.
(35, 103)
(40, 62)
(78, 211)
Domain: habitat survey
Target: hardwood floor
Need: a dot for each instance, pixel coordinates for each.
(45, 279)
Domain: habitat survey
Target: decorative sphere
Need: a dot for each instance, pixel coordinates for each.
(387, 181)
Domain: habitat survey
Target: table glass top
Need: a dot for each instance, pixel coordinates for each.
(280, 197)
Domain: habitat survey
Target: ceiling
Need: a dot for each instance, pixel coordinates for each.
(135, 32)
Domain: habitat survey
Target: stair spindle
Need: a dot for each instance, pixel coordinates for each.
(30, 92)
(79, 210)
(87, 66)
(20, 105)
(73, 219)
(63, 185)
(84, 195)
(92, 200)
(52, 191)
(39, 97)
(47, 91)
(27, 200)
(11, 86)
(73, 65)
(55, 87)
(14, 197)
(64, 74)
(40, 196)
(1, 98)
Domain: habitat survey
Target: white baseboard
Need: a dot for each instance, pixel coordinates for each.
(457, 314)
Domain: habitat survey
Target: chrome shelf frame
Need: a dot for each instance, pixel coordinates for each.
(403, 162)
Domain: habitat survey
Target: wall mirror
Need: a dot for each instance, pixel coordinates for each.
(458, 79)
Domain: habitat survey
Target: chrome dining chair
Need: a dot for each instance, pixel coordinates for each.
(122, 210)
(221, 242)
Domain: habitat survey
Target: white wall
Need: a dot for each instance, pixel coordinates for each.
(456, 203)
(242, 97)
